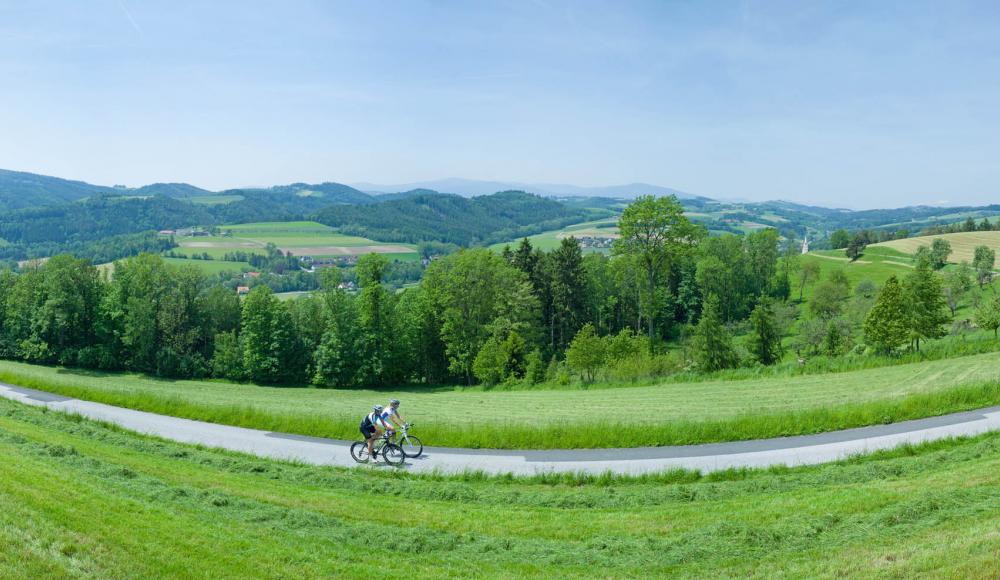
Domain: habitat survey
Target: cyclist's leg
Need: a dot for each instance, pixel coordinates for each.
(369, 435)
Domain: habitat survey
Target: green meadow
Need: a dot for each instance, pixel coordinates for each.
(82, 500)
(550, 240)
(299, 238)
(210, 266)
(615, 415)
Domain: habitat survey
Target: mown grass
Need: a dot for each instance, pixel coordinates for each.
(683, 413)
(78, 499)
(963, 244)
(551, 239)
(210, 266)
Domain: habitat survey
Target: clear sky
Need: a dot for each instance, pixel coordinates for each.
(856, 104)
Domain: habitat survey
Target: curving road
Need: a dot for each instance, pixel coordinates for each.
(808, 449)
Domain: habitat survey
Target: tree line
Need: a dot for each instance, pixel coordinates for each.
(478, 316)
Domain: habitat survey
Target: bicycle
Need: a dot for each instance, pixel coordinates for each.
(411, 446)
(392, 454)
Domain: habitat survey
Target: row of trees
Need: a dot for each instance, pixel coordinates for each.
(477, 315)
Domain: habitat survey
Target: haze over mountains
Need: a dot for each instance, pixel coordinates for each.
(20, 189)
(471, 187)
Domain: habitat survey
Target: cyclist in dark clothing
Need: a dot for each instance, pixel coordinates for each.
(372, 427)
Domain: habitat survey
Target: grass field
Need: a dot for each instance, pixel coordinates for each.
(210, 266)
(78, 499)
(877, 265)
(299, 238)
(551, 239)
(963, 244)
(685, 412)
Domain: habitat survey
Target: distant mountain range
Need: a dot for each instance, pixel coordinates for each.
(472, 187)
(20, 190)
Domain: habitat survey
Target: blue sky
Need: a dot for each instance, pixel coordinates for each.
(855, 104)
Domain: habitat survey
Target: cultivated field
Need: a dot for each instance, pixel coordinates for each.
(963, 244)
(710, 410)
(298, 238)
(210, 266)
(79, 499)
(550, 240)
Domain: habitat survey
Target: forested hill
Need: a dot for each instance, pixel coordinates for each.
(98, 217)
(179, 190)
(19, 190)
(106, 215)
(453, 218)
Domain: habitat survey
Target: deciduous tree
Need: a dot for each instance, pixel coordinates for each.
(587, 352)
(887, 326)
(983, 261)
(655, 232)
(925, 301)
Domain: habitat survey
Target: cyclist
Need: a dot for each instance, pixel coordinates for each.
(372, 427)
(390, 413)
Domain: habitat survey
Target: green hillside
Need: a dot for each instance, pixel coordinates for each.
(19, 190)
(78, 499)
(689, 412)
(452, 218)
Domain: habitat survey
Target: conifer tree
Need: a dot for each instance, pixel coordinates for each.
(713, 346)
(765, 339)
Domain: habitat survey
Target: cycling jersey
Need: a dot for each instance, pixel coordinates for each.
(388, 412)
(376, 420)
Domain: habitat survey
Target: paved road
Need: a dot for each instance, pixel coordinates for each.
(808, 449)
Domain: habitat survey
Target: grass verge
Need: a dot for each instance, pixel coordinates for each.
(552, 434)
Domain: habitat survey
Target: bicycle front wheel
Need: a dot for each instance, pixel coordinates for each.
(359, 451)
(412, 447)
(393, 454)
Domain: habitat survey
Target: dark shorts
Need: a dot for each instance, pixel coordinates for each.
(367, 429)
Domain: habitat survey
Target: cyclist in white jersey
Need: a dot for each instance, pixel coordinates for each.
(390, 413)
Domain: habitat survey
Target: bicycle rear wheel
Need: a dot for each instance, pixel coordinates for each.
(393, 454)
(412, 447)
(359, 451)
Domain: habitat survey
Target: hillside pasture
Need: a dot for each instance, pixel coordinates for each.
(210, 266)
(296, 238)
(963, 244)
(877, 265)
(550, 240)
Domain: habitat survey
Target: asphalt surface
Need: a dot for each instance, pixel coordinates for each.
(801, 450)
